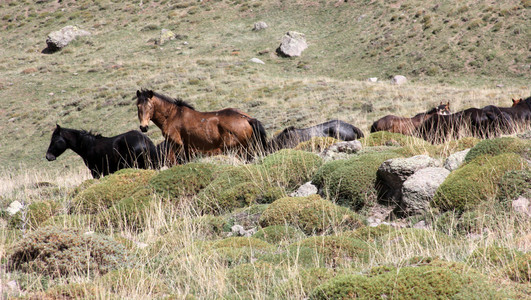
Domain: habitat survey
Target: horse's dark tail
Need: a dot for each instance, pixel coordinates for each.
(358, 132)
(259, 135)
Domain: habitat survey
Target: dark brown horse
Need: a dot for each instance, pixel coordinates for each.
(189, 131)
(487, 122)
(408, 126)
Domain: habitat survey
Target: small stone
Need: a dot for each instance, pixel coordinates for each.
(373, 79)
(259, 26)
(14, 207)
(304, 190)
(398, 80)
(522, 205)
(256, 61)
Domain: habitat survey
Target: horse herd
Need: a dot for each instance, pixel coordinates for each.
(188, 132)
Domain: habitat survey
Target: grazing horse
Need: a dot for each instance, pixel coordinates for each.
(190, 131)
(104, 155)
(408, 126)
(291, 136)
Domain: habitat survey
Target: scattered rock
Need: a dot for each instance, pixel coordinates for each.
(454, 161)
(500, 85)
(165, 35)
(341, 150)
(256, 61)
(292, 44)
(14, 207)
(522, 205)
(259, 26)
(419, 189)
(398, 80)
(393, 172)
(57, 40)
(265, 51)
(421, 225)
(238, 230)
(304, 190)
(373, 79)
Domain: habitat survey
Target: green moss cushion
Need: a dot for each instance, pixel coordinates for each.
(498, 146)
(352, 182)
(311, 214)
(475, 182)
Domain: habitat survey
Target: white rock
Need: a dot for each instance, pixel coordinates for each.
(14, 207)
(373, 79)
(256, 61)
(398, 80)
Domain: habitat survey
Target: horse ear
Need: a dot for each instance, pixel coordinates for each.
(150, 94)
(448, 103)
(514, 100)
(57, 126)
(137, 93)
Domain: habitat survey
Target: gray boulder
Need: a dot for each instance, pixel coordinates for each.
(304, 190)
(292, 44)
(393, 172)
(455, 160)
(341, 150)
(522, 205)
(398, 80)
(259, 26)
(59, 39)
(419, 189)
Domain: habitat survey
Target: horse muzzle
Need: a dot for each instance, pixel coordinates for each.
(143, 128)
(50, 157)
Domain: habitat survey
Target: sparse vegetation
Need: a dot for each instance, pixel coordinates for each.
(167, 234)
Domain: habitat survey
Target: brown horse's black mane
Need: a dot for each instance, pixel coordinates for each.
(178, 101)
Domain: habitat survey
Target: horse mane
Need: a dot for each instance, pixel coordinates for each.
(175, 101)
(91, 134)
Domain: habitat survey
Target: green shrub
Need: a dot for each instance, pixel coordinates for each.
(514, 184)
(368, 233)
(278, 234)
(386, 138)
(236, 187)
(336, 250)
(238, 242)
(493, 256)
(109, 190)
(311, 214)
(290, 168)
(307, 280)
(251, 276)
(475, 182)
(352, 182)
(498, 146)
(183, 180)
(58, 252)
(316, 144)
(417, 237)
(130, 212)
(418, 282)
(302, 257)
(520, 269)
(36, 214)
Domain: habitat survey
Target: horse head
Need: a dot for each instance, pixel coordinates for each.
(145, 108)
(58, 145)
(444, 108)
(516, 101)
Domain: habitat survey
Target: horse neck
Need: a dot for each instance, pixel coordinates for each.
(79, 142)
(162, 110)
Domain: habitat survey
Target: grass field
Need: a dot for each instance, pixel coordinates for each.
(471, 53)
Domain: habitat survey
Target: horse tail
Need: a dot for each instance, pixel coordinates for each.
(259, 134)
(359, 133)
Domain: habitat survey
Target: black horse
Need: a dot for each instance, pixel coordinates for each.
(105, 155)
(291, 136)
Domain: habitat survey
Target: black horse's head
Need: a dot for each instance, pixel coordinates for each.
(145, 108)
(58, 145)
(443, 108)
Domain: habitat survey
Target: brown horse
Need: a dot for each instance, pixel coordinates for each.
(408, 126)
(189, 131)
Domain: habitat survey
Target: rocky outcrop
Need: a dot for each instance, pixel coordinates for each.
(399, 79)
(292, 44)
(419, 189)
(455, 160)
(59, 39)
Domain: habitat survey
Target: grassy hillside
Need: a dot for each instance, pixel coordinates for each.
(450, 52)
